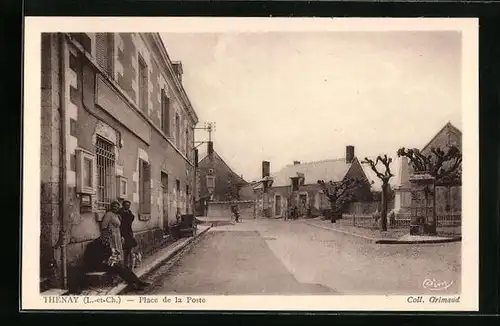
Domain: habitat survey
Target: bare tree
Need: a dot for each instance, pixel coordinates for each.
(233, 190)
(444, 165)
(385, 177)
(339, 193)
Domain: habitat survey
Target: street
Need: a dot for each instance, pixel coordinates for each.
(291, 257)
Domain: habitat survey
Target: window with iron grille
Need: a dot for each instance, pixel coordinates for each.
(105, 157)
(144, 187)
(104, 51)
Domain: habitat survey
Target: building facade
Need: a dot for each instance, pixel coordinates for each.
(218, 182)
(449, 197)
(296, 185)
(116, 124)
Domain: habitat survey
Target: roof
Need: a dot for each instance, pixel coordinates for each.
(448, 126)
(328, 170)
(237, 176)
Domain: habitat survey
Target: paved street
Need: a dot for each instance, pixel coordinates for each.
(291, 257)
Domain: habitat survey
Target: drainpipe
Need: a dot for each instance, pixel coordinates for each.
(63, 189)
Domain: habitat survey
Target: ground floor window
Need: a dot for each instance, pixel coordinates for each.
(144, 187)
(105, 159)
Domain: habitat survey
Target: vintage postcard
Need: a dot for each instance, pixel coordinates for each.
(250, 164)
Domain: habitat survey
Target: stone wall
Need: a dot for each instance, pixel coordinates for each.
(98, 106)
(223, 209)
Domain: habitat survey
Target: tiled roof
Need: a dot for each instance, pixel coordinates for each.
(327, 170)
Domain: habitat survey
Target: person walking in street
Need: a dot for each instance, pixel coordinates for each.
(129, 241)
(235, 212)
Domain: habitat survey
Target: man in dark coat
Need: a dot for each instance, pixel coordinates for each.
(129, 242)
(99, 257)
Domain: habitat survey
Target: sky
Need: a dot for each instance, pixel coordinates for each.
(287, 96)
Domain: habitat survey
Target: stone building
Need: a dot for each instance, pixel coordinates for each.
(448, 198)
(116, 124)
(218, 181)
(296, 184)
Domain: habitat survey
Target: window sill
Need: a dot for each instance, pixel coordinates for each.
(144, 217)
(99, 215)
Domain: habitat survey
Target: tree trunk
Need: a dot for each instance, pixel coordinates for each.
(383, 212)
(333, 212)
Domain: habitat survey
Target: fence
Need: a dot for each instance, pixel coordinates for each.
(449, 224)
(367, 207)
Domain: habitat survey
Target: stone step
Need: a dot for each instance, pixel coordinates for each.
(55, 292)
(44, 284)
(98, 278)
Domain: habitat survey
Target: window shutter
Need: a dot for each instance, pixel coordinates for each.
(104, 54)
(165, 107)
(147, 188)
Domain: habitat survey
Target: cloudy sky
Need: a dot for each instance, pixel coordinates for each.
(305, 96)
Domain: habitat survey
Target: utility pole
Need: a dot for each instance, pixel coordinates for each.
(209, 127)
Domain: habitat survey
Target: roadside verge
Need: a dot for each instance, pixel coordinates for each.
(406, 239)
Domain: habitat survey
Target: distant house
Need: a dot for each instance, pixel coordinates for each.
(247, 191)
(296, 185)
(217, 181)
(448, 198)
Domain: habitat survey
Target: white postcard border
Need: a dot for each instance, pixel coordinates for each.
(34, 26)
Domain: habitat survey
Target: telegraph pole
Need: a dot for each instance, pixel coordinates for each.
(208, 127)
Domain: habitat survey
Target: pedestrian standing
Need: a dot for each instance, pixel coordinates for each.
(110, 228)
(129, 241)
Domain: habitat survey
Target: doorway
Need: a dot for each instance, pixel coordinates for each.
(277, 205)
(164, 188)
(303, 203)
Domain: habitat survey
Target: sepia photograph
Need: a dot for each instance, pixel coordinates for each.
(250, 164)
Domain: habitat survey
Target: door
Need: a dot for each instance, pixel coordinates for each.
(303, 204)
(277, 204)
(164, 188)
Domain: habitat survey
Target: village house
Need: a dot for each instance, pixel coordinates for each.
(116, 124)
(218, 181)
(297, 185)
(448, 197)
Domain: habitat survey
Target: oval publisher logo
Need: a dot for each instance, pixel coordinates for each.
(436, 285)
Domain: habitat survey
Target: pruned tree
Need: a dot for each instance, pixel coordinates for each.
(233, 190)
(385, 176)
(444, 165)
(339, 193)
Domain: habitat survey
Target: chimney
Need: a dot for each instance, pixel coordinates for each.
(178, 69)
(265, 169)
(349, 154)
(210, 148)
(296, 162)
